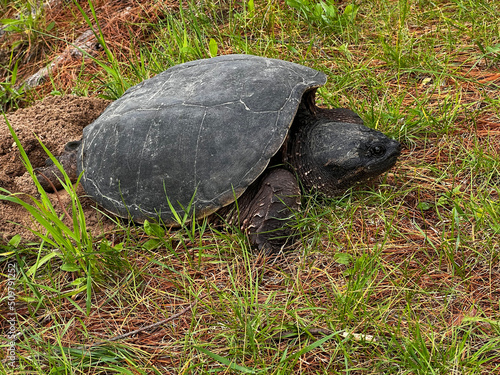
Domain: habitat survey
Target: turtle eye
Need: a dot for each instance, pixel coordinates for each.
(377, 150)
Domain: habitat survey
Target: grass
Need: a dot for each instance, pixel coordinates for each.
(398, 277)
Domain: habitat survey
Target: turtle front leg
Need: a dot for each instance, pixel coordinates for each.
(267, 217)
(50, 176)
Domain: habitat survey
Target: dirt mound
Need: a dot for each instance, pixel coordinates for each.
(55, 120)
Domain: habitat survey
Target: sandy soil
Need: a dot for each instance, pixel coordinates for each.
(55, 120)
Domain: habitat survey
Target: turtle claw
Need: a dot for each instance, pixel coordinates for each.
(269, 213)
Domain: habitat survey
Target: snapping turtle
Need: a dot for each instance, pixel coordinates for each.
(215, 130)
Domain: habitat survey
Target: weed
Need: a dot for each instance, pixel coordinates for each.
(325, 13)
(72, 244)
(10, 94)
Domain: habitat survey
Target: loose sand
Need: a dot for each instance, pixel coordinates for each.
(55, 120)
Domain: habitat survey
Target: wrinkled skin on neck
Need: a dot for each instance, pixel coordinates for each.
(331, 150)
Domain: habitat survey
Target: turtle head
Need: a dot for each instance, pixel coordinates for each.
(333, 156)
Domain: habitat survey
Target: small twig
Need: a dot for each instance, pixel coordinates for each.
(287, 335)
(128, 334)
(85, 42)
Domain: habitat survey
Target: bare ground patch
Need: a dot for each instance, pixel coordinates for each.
(55, 120)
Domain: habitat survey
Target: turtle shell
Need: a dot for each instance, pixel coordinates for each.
(199, 132)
